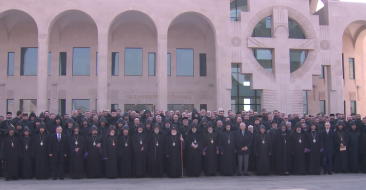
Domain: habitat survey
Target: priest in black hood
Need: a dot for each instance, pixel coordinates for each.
(340, 149)
(119, 126)
(353, 149)
(51, 128)
(139, 142)
(92, 155)
(112, 120)
(19, 128)
(76, 152)
(227, 151)
(156, 142)
(298, 149)
(109, 153)
(194, 150)
(27, 162)
(148, 127)
(262, 149)
(40, 152)
(125, 153)
(314, 144)
(173, 144)
(10, 154)
(102, 127)
(68, 127)
(282, 148)
(84, 128)
(210, 150)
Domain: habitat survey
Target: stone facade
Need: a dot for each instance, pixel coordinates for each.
(163, 26)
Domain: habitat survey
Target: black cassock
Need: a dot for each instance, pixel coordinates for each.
(109, 155)
(340, 157)
(194, 155)
(210, 145)
(76, 158)
(298, 141)
(262, 149)
(27, 160)
(11, 153)
(314, 143)
(173, 152)
(353, 151)
(139, 141)
(363, 151)
(227, 147)
(156, 145)
(283, 153)
(40, 154)
(93, 156)
(125, 153)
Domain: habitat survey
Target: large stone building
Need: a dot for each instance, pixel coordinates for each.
(165, 54)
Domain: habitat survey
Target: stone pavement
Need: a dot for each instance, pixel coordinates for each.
(324, 182)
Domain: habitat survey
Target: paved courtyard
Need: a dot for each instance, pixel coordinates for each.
(336, 181)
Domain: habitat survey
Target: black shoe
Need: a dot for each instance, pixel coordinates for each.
(61, 178)
(330, 173)
(240, 174)
(246, 174)
(6, 179)
(325, 172)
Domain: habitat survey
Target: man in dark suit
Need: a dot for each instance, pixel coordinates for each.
(57, 148)
(243, 144)
(328, 144)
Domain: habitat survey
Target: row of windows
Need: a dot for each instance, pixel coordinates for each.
(132, 63)
(322, 105)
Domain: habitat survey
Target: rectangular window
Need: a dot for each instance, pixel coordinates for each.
(203, 106)
(62, 106)
(29, 61)
(353, 107)
(133, 62)
(49, 64)
(81, 62)
(203, 69)
(264, 58)
(168, 62)
(28, 106)
(343, 65)
(62, 64)
(114, 106)
(185, 62)
(321, 76)
(344, 107)
(305, 101)
(151, 64)
(96, 64)
(9, 105)
(180, 107)
(352, 68)
(11, 64)
(139, 107)
(115, 59)
(236, 7)
(322, 107)
(81, 104)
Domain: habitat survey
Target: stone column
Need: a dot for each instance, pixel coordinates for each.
(42, 72)
(223, 76)
(161, 72)
(102, 78)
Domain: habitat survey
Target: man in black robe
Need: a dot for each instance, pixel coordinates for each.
(353, 149)
(51, 128)
(210, 150)
(194, 150)
(40, 152)
(84, 128)
(340, 149)
(10, 154)
(156, 142)
(173, 145)
(314, 144)
(19, 128)
(68, 127)
(243, 146)
(102, 127)
(328, 148)
(125, 153)
(282, 146)
(262, 149)
(139, 143)
(7, 122)
(110, 154)
(27, 161)
(272, 134)
(57, 149)
(227, 151)
(76, 152)
(15, 120)
(298, 149)
(92, 155)
(120, 123)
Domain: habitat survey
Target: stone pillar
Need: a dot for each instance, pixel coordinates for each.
(42, 72)
(223, 76)
(102, 78)
(161, 72)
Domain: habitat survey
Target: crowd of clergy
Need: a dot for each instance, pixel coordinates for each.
(113, 144)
